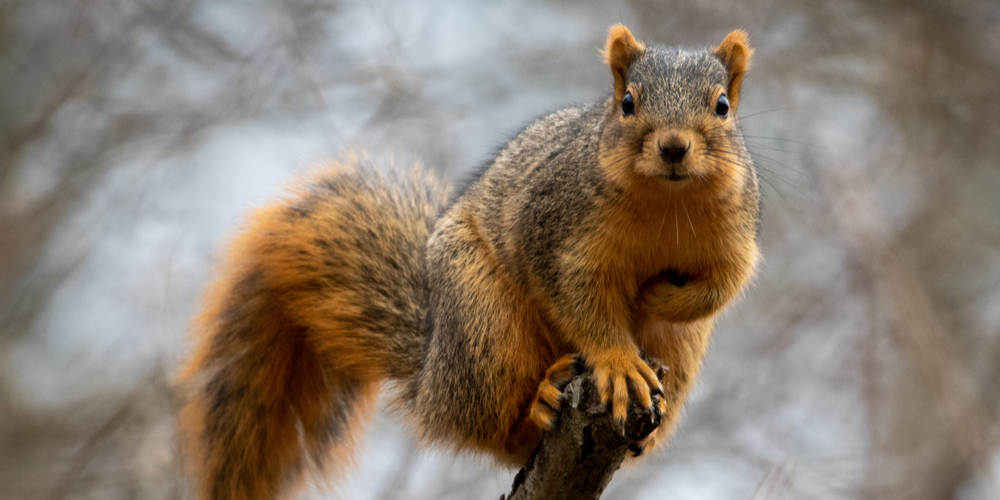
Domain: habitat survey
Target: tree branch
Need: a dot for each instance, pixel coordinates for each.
(577, 458)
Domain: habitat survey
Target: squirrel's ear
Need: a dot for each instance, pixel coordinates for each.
(735, 53)
(620, 52)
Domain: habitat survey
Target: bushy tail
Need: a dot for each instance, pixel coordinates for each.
(321, 298)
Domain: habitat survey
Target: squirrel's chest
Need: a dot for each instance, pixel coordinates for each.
(644, 243)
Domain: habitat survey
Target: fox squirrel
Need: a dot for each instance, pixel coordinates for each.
(597, 232)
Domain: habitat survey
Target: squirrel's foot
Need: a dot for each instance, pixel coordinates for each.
(639, 448)
(617, 372)
(549, 398)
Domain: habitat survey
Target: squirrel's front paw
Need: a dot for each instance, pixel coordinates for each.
(616, 372)
(662, 287)
(676, 297)
(548, 400)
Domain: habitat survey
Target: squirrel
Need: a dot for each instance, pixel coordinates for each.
(598, 234)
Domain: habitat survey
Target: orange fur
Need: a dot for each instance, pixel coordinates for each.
(478, 316)
(681, 347)
(735, 53)
(287, 365)
(277, 390)
(700, 228)
(620, 51)
(503, 309)
(549, 395)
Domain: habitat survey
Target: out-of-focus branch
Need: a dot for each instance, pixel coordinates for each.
(904, 302)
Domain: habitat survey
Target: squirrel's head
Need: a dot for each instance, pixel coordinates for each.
(673, 114)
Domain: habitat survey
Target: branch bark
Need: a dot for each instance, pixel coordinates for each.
(577, 458)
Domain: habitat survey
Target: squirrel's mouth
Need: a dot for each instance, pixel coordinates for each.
(675, 177)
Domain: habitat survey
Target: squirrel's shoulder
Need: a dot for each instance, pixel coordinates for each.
(533, 144)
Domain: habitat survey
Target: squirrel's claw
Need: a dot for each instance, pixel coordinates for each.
(549, 398)
(616, 374)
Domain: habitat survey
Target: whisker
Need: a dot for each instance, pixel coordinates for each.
(734, 134)
(772, 160)
(773, 110)
(793, 141)
(677, 226)
(751, 115)
(684, 205)
(753, 146)
(794, 211)
(664, 219)
(760, 161)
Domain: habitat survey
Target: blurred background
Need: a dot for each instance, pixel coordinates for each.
(864, 363)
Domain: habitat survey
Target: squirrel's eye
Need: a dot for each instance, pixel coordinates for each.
(628, 105)
(722, 107)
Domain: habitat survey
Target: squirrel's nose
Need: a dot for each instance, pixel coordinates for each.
(674, 152)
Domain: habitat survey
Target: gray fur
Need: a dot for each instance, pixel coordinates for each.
(676, 83)
(516, 221)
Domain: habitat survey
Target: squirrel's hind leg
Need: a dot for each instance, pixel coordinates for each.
(680, 347)
(487, 352)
